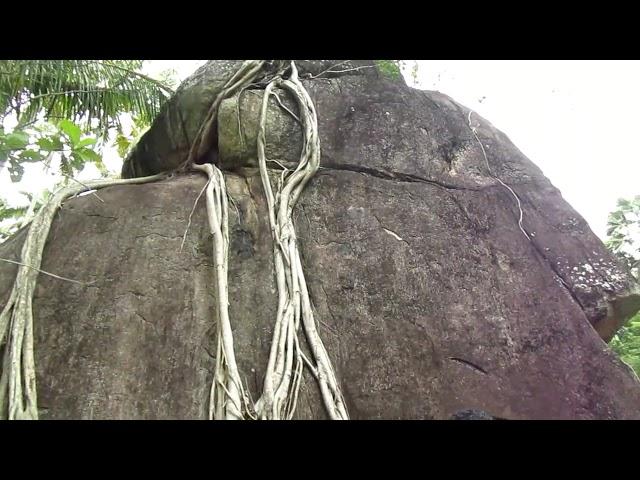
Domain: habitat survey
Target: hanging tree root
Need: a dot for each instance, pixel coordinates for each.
(228, 398)
(282, 380)
(18, 399)
(286, 359)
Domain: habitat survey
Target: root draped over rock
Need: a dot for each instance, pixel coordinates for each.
(228, 399)
(18, 398)
(282, 380)
(286, 360)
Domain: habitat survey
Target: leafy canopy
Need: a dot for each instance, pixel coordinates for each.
(63, 112)
(623, 232)
(92, 93)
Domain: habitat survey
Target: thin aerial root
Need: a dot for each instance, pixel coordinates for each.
(84, 284)
(195, 204)
(498, 179)
(286, 361)
(230, 386)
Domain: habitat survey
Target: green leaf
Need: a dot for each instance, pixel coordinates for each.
(93, 92)
(85, 142)
(101, 168)
(89, 155)
(65, 167)
(71, 130)
(50, 143)
(389, 68)
(8, 212)
(30, 156)
(16, 140)
(77, 161)
(123, 144)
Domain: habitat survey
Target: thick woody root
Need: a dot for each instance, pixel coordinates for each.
(228, 399)
(286, 359)
(227, 396)
(18, 399)
(206, 137)
(282, 380)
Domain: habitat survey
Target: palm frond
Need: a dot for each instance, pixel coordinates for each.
(80, 90)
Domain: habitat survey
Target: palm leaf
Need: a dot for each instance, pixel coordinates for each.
(80, 90)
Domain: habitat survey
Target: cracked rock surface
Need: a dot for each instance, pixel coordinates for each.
(429, 298)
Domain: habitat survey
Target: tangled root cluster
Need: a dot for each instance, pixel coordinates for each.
(287, 361)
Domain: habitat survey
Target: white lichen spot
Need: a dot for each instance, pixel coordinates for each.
(593, 274)
(393, 234)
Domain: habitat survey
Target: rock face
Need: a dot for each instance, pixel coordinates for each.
(429, 297)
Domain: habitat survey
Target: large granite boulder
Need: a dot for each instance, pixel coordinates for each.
(429, 297)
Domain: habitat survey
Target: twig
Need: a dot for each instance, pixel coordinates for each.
(235, 207)
(354, 69)
(46, 273)
(327, 69)
(279, 164)
(184, 237)
(285, 108)
(92, 191)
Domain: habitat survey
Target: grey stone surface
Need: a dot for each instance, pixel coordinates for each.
(429, 298)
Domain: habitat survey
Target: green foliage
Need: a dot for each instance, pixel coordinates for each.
(623, 232)
(91, 93)
(9, 219)
(7, 212)
(389, 68)
(124, 143)
(65, 111)
(393, 69)
(39, 143)
(77, 152)
(627, 343)
(169, 78)
(78, 96)
(14, 151)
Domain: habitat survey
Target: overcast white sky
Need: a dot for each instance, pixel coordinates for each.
(577, 120)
